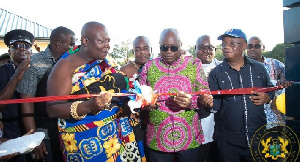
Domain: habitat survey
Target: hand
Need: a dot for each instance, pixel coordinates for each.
(1, 126)
(205, 100)
(183, 100)
(7, 157)
(259, 98)
(21, 69)
(30, 132)
(101, 102)
(39, 152)
(152, 106)
(284, 83)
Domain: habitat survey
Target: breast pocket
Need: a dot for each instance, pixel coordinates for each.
(226, 85)
(260, 80)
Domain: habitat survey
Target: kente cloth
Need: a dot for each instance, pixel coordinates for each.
(138, 127)
(172, 128)
(104, 135)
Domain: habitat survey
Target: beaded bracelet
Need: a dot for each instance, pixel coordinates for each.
(73, 111)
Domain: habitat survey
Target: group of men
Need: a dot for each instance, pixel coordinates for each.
(179, 127)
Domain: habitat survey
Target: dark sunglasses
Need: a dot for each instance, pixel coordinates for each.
(256, 46)
(202, 48)
(165, 48)
(17, 46)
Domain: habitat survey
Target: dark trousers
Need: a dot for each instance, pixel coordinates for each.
(189, 155)
(209, 152)
(232, 153)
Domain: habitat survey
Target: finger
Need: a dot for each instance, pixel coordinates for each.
(44, 148)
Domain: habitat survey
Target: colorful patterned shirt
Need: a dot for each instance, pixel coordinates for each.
(276, 70)
(172, 128)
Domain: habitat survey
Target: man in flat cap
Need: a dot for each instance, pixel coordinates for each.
(19, 43)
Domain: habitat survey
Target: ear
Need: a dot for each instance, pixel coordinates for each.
(263, 47)
(84, 41)
(58, 44)
(9, 52)
(151, 50)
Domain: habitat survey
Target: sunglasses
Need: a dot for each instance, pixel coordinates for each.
(203, 48)
(17, 46)
(165, 48)
(256, 46)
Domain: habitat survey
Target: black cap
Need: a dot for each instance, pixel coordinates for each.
(18, 35)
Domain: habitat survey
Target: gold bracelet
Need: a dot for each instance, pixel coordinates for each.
(73, 111)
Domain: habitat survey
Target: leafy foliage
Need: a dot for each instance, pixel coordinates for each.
(191, 50)
(278, 52)
(122, 52)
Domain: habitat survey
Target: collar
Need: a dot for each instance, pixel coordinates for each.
(247, 60)
(175, 63)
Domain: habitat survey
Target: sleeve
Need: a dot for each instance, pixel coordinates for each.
(143, 76)
(29, 82)
(201, 83)
(213, 86)
(269, 83)
(280, 70)
(4, 79)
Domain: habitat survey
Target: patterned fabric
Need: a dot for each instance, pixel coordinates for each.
(111, 61)
(276, 70)
(104, 135)
(137, 122)
(172, 128)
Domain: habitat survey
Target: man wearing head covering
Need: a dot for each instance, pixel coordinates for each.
(19, 43)
(238, 116)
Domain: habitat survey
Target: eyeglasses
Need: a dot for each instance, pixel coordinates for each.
(231, 44)
(20, 45)
(105, 41)
(256, 46)
(139, 50)
(203, 48)
(165, 48)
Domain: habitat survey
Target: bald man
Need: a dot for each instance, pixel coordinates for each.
(91, 128)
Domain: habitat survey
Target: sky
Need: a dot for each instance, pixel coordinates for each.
(126, 20)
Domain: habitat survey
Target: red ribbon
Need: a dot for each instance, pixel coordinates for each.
(237, 91)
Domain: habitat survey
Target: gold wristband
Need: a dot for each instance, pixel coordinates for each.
(73, 111)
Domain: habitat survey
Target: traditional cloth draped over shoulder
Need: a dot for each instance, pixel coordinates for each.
(104, 135)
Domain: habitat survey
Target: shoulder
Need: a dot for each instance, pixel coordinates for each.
(38, 57)
(127, 69)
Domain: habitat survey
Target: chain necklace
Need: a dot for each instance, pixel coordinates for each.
(135, 65)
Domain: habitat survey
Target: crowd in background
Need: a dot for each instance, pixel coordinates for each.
(180, 127)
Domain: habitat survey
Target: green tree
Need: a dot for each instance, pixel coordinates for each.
(219, 54)
(122, 52)
(191, 50)
(278, 52)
